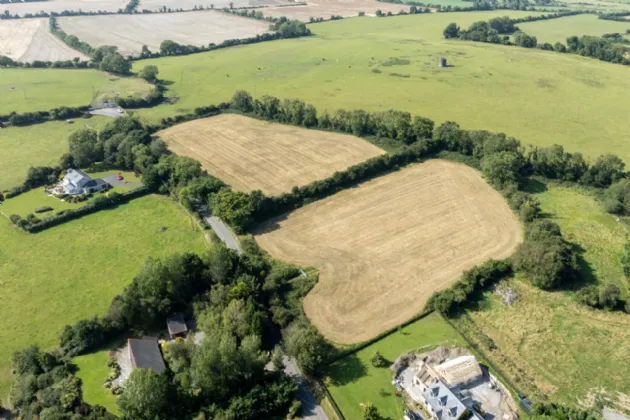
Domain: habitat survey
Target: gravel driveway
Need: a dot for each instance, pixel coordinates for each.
(114, 182)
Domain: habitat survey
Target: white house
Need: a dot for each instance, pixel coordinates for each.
(78, 182)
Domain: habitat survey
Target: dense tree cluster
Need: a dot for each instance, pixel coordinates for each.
(553, 411)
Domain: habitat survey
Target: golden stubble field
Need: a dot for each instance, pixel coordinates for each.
(384, 247)
(249, 154)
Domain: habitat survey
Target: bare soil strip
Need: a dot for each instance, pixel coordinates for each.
(249, 154)
(384, 247)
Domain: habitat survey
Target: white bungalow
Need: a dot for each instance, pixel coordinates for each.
(78, 182)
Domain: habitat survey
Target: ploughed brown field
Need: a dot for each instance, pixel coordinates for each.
(384, 247)
(249, 154)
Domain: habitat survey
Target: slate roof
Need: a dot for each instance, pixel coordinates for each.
(145, 353)
(445, 404)
(76, 176)
(176, 324)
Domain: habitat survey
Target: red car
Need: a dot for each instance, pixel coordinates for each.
(120, 177)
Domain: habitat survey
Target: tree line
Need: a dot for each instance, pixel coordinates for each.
(608, 48)
(243, 303)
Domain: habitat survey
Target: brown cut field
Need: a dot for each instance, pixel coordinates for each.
(326, 8)
(207, 4)
(384, 247)
(58, 6)
(130, 32)
(249, 154)
(28, 40)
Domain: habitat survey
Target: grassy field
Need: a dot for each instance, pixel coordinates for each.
(560, 29)
(413, 226)
(26, 203)
(72, 272)
(27, 90)
(92, 371)
(550, 345)
(35, 145)
(353, 380)
(536, 96)
(249, 154)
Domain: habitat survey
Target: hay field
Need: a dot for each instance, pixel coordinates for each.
(560, 29)
(207, 4)
(61, 5)
(326, 8)
(28, 40)
(249, 154)
(130, 32)
(384, 247)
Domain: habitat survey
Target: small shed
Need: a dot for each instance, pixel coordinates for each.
(176, 326)
(145, 353)
(442, 62)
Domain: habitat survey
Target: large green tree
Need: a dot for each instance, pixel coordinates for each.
(146, 396)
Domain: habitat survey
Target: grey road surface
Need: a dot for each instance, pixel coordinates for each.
(311, 410)
(108, 112)
(114, 182)
(222, 231)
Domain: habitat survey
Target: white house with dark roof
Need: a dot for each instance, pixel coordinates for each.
(78, 182)
(446, 403)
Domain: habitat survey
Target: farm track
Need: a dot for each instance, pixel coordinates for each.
(384, 247)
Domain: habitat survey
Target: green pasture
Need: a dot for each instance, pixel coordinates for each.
(548, 343)
(353, 380)
(558, 30)
(72, 272)
(26, 203)
(540, 97)
(35, 145)
(27, 90)
(92, 371)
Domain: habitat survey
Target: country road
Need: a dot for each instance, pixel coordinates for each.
(311, 410)
(222, 231)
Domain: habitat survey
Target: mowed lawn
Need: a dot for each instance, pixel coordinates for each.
(555, 30)
(72, 272)
(28, 90)
(547, 340)
(353, 380)
(35, 145)
(540, 97)
(92, 370)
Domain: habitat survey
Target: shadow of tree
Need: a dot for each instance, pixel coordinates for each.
(534, 186)
(347, 370)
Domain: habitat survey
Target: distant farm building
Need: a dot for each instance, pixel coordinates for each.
(442, 62)
(145, 353)
(78, 182)
(176, 326)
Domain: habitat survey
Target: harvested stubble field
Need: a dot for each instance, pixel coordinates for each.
(384, 247)
(130, 32)
(61, 5)
(326, 8)
(249, 154)
(207, 4)
(28, 40)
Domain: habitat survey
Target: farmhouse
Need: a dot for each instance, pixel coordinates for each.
(443, 403)
(145, 353)
(176, 326)
(78, 182)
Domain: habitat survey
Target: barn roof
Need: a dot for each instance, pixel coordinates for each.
(145, 353)
(176, 324)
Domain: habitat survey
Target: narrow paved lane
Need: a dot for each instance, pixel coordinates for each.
(222, 231)
(311, 410)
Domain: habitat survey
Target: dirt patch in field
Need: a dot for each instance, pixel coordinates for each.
(61, 5)
(384, 247)
(249, 154)
(29, 40)
(326, 8)
(130, 32)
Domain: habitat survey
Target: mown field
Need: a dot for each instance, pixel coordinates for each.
(249, 154)
(536, 96)
(384, 247)
(72, 271)
(547, 341)
(558, 30)
(353, 380)
(27, 90)
(35, 145)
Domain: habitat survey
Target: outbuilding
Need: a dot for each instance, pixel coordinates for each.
(176, 326)
(145, 353)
